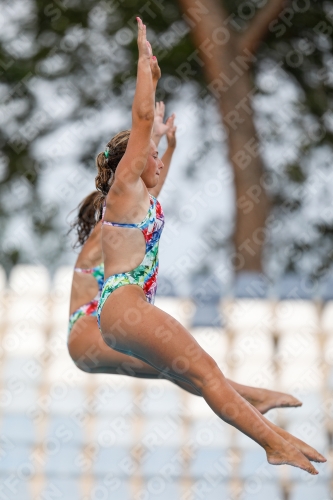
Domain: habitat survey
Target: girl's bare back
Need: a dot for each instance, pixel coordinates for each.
(84, 286)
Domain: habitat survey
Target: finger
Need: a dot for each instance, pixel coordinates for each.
(153, 63)
(140, 25)
(143, 35)
(149, 48)
(139, 28)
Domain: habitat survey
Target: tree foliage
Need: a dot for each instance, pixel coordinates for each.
(86, 50)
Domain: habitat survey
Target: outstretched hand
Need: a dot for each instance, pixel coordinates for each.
(144, 46)
(171, 132)
(159, 127)
(146, 52)
(155, 69)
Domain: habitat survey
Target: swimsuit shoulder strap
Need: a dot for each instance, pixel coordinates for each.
(83, 270)
(97, 270)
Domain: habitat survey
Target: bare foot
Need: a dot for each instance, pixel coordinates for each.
(288, 454)
(307, 450)
(304, 448)
(265, 400)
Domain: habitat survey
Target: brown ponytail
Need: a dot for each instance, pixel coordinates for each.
(90, 209)
(106, 165)
(86, 219)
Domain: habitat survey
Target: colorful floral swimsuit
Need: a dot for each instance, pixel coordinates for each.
(145, 274)
(89, 309)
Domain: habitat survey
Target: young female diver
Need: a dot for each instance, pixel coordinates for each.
(85, 344)
(90, 258)
(132, 223)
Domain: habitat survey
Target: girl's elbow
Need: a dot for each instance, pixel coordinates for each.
(145, 116)
(144, 110)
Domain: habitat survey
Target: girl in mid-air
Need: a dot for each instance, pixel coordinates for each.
(132, 223)
(85, 344)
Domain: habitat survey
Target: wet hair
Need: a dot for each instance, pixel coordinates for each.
(106, 165)
(86, 218)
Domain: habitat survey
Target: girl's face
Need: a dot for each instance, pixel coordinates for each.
(151, 172)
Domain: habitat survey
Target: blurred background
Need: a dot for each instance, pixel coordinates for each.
(245, 257)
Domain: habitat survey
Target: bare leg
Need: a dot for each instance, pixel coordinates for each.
(307, 450)
(91, 354)
(130, 325)
(264, 399)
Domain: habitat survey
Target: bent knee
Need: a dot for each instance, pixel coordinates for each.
(83, 343)
(75, 352)
(205, 373)
(72, 347)
(79, 357)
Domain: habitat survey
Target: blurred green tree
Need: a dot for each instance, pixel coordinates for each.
(87, 50)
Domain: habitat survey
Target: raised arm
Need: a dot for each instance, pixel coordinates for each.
(133, 162)
(167, 157)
